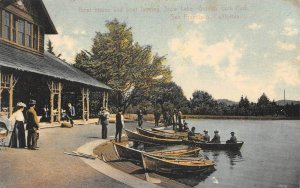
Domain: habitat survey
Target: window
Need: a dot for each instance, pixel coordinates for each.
(18, 30)
(14, 29)
(6, 33)
(35, 37)
(28, 36)
(21, 36)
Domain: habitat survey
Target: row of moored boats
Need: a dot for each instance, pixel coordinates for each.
(180, 161)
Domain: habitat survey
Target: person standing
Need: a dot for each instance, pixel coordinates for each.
(140, 117)
(104, 119)
(119, 125)
(17, 139)
(32, 126)
(179, 117)
(70, 113)
(216, 138)
(156, 117)
(206, 136)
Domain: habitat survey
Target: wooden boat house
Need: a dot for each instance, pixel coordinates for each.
(27, 71)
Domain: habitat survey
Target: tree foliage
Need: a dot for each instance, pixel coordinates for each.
(123, 64)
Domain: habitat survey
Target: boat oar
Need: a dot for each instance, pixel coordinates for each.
(148, 178)
(79, 155)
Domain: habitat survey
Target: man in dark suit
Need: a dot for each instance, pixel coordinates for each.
(32, 126)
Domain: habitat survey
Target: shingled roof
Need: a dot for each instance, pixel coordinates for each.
(48, 65)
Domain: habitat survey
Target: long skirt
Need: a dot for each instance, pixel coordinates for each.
(17, 139)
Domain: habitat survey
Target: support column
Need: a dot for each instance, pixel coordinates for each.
(11, 94)
(85, 103)
(55, 89)
(106, 104)
(52, 106)
(103, 97)
(88, 104)
(59, 102)
(8, 81)
(83, 106)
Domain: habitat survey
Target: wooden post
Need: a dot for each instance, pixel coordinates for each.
(87, 104)
(106, 101)
(11, 92)
(51, 103)
(59, 102)
(103, 102)
(83, 106)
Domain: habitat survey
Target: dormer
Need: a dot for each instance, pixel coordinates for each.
(24, 23)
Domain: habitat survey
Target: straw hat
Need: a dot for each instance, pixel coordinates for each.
(20, 104)
(206, 131)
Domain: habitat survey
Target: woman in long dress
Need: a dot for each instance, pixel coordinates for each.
(17, 139)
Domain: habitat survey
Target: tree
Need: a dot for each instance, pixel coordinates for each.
(264, 105)
(129, 68)
(203, 103)
(50, 47)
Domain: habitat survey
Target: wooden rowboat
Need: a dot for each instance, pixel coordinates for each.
(170, 133)
(176, 166)
(147, 139)
(216, 146)
(157, 134)
(133, 154)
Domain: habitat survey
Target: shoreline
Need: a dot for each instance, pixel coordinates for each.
(150, 117)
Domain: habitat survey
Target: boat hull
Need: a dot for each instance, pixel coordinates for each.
(157, 134)
(216, 146)
(151, 140)
(153, 163)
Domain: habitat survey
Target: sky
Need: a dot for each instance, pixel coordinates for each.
(229, 48)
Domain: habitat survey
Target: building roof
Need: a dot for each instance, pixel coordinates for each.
(48, 24)
(47, 65)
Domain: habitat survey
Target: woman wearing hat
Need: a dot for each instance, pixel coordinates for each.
(17, 139)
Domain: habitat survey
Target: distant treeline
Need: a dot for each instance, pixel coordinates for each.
(202, 103)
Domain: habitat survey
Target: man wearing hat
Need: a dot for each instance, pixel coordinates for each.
(216, 138)
(32, 126)
(191, 134)
(206, 136)
(232, 138)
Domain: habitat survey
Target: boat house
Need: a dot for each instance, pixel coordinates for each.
(28, 72)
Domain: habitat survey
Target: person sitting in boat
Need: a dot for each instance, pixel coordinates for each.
(191, 134)
(216, 138)
(206, 136)
(232, 138)
(185, 126)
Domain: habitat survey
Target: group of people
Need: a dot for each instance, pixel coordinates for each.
(104, 121)
(16, 126)
(215, 139)
(174, 118)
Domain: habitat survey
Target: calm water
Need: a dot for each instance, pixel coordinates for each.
(270, 156)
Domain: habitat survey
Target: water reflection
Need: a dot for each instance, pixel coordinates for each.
(234, 157)
(221, 156)
(192, 180)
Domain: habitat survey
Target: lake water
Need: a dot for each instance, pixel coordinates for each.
(270, 156)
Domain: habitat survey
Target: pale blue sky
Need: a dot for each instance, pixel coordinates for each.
(226, 47)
